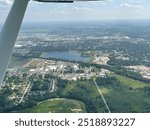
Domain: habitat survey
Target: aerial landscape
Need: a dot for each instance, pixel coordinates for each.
(70, 67)
(90, 57)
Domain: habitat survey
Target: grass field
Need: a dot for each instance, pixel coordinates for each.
(123, 99)
(128, 81)
(58, 105)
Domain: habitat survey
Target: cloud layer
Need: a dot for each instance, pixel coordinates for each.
(127, 5)
(6, 2)
(104, 10)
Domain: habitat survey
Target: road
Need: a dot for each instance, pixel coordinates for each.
(26, 90)
(52, 86)
(100, 92)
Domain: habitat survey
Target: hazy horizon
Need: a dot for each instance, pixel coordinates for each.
(82, 11)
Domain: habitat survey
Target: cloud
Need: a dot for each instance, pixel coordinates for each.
(72, 10)
(81, 9)
(127, 5)
(6, 2)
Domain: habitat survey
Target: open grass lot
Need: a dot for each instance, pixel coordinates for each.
(125, 95)
(58, 105)
(128, 81)
(124, 100)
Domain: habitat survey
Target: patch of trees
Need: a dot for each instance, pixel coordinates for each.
(92, 104)
(80, 71)
(61, 84)
(122, 71)
(49, 48)
(109, 81)
(6, 105)
(146, 90)
(14, 79)
(119, 62)
(84, 92)
(41, 84)
(33, 99)
(130, 74)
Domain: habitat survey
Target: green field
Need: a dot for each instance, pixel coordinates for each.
(125, 94)
(86, 92)
(128, 81)
(58, 105)
(122, 94)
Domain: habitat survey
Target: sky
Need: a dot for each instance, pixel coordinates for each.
(82, 11)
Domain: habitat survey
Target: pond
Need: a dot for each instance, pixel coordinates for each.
(65, 55)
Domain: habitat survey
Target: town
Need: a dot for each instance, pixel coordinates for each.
(67, 69)
(20, 78)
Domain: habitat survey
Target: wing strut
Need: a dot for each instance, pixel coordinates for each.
(9, 34)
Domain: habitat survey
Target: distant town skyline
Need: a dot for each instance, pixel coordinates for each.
(82, 11)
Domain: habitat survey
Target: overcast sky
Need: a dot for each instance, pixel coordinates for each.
(81, 11)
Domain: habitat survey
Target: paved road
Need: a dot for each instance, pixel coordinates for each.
(26, 90)
(100, 92)
(53, 86)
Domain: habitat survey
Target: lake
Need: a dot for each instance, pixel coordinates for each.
(65, 55)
